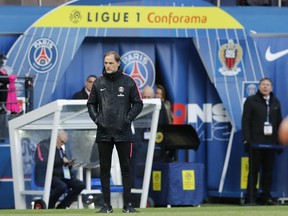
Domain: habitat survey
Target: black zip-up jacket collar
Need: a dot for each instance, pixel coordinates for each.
(113, 75)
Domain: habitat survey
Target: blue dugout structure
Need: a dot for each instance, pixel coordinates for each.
(167, 42)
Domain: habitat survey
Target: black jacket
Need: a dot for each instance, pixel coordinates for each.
(41, 159)
(114, 102)
(81, 94)
(4, 80)
(254, 116)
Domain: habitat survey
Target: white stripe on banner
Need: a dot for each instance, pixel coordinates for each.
(210, 55)
(250, 58)
(61, 60)
(243, 66)
(236, 77)
(75, 43)
(258, 58)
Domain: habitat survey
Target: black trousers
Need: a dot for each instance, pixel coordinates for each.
(262, 162)
(59, 186)
(124, 150)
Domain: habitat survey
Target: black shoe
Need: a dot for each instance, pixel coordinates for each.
(61, 207)
(3, 111)
(269, 202)
(265, 199)
(106, 209)
(129, 209)
(250, 202)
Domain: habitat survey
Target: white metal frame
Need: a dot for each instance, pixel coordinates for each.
(32, 121)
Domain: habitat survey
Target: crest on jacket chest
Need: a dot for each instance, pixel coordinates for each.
(121, 91)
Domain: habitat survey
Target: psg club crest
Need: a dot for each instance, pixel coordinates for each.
(230, 55)
(43, 55)
(249, 88)
(140, 67)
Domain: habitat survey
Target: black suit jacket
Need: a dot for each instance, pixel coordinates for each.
(81, 94)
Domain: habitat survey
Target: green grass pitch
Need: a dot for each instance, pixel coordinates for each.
(203, 210)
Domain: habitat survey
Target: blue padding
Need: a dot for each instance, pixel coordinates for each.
(172, 189)
(116, 188)
(96, 184)
(269, 146)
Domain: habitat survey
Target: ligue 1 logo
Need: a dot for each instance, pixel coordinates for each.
(43, 55)
(139, 66)
(230, 55)
(75, 16)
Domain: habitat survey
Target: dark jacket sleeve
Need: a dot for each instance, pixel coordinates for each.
(92, 105)
(163, 116)
(136, 101)
(4, 79)
(41, 158)
(42, 153)
(279, 119)
(246, 119)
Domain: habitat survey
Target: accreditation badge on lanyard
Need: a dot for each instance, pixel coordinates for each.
(268, 129)
(66, 171)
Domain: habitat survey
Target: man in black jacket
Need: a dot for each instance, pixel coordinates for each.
(85, 91)
(260, 122)
(114, 102)
(62, 177)
(4, 81)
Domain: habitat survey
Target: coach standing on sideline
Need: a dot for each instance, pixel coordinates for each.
(114, 102)
(260, 122)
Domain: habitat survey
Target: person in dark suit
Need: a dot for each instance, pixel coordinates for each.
(260, 122)
(62, 177)
(160, 93)
(148, 93)
(85, 91)
(4, 81)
